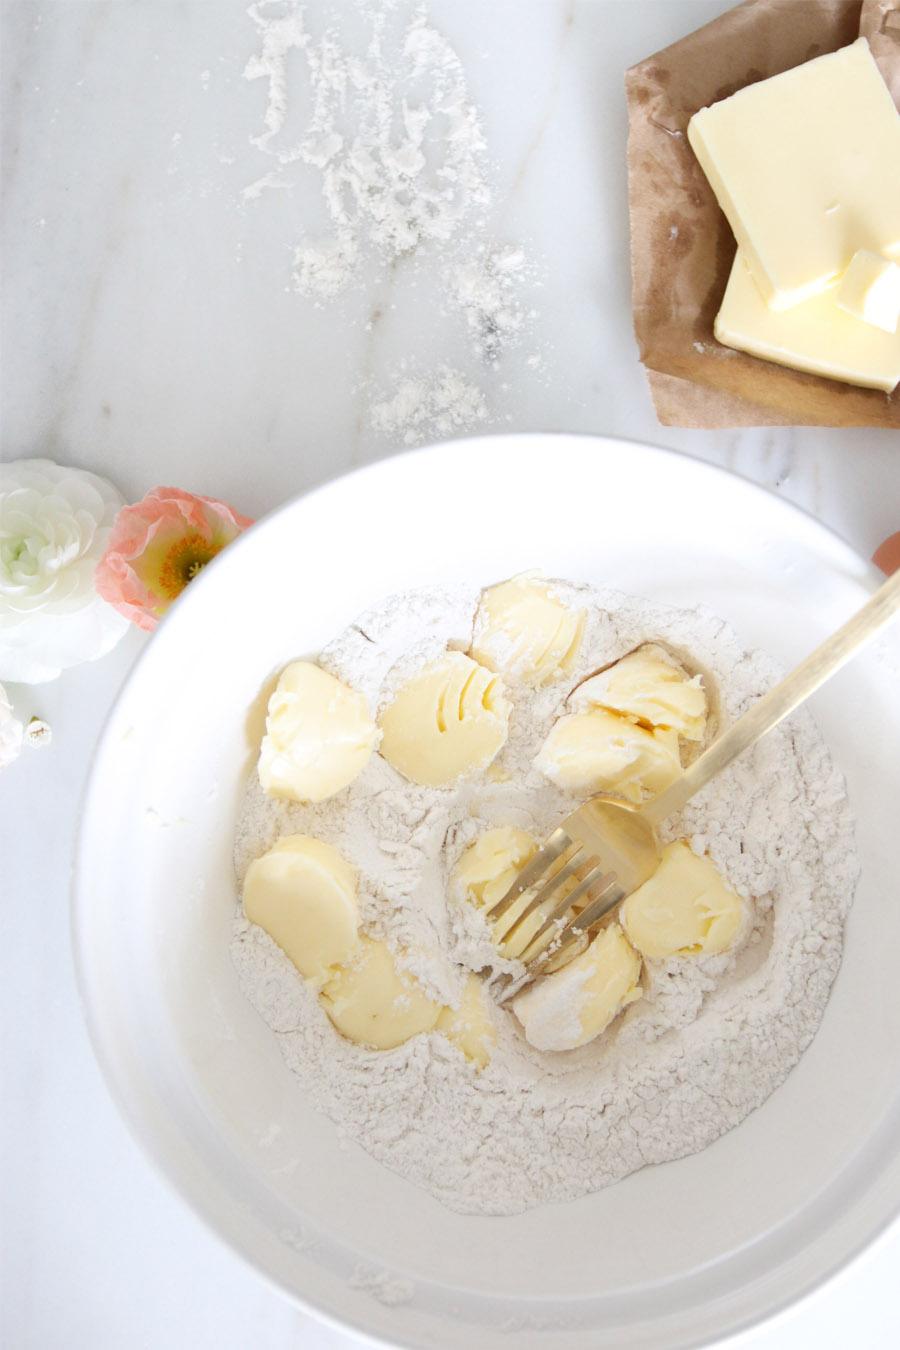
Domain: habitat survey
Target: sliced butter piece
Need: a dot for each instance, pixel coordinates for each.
(816, 336)
(577, 1003)
(599, 751)
(373, 1003)
(522, 629)
(449, 721)
(485, 873)
(303, 893)
(647, 686)
(870, 290)
(684, 908)
(488, 867)
(805, 167)
(319, 735)
(470, 1026)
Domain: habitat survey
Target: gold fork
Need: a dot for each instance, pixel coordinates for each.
(608, 847)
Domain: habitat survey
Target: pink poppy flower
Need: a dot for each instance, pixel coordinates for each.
(157, 546)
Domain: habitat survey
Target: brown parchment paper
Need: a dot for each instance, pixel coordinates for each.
(682, 247)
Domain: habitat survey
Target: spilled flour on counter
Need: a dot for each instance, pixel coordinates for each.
(395, 143)
(444, 403)
(711, 1038)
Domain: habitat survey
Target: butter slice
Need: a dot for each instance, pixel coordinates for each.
(806, 166)
(522, 629)
(684, 908)
(568, 1009)
(372, 1002)
(870, 290)
(489, 867)
(599, 751)
(485, 873)
(319, 735)
(647, 686)
(303, 893)
(470, 1026)
(446, 723)
(816, 336)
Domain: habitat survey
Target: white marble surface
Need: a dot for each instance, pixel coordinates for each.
(150, 332)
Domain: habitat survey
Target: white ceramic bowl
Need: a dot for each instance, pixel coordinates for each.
(673, 1256)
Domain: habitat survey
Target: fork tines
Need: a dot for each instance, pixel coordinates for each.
(555, 900)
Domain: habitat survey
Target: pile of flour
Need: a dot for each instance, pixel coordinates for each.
(710, 1039)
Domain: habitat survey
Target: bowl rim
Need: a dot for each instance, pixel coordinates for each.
(144, 1136)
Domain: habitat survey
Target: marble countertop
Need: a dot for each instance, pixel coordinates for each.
(153, 331)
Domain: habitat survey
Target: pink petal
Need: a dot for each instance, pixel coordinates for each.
(162, 517)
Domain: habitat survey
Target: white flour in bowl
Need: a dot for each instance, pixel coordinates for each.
(711, 1038)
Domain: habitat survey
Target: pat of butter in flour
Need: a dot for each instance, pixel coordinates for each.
(374, 1003)
(601, 751)
(319, 735)
(816, 336)
(578, 1002)
(646, 685)
(870, 290)
(470, 1026)
(684, 908)
(446, 723)
(524, 630)
(303, 894)
(485, 873)
(488, 867)
(806, 166)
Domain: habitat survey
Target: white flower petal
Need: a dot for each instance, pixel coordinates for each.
(54, 524)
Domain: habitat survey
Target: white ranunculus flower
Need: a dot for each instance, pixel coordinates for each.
(11, 731)
(54, 523)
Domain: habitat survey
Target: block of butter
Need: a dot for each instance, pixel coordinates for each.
(319, 735)
(650, 688)
(816, 336)
(447, 722)
(569, 1008)
(525, 631)
(684, 908)
(598, 751)
(870, 290)
(806, 166)
(302, 892)
(470, 1027)
(374, 1002)
(485, 873)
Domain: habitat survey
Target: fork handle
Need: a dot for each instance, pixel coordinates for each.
(765, 714)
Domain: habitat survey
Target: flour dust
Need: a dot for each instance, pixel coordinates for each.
(369, 112)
